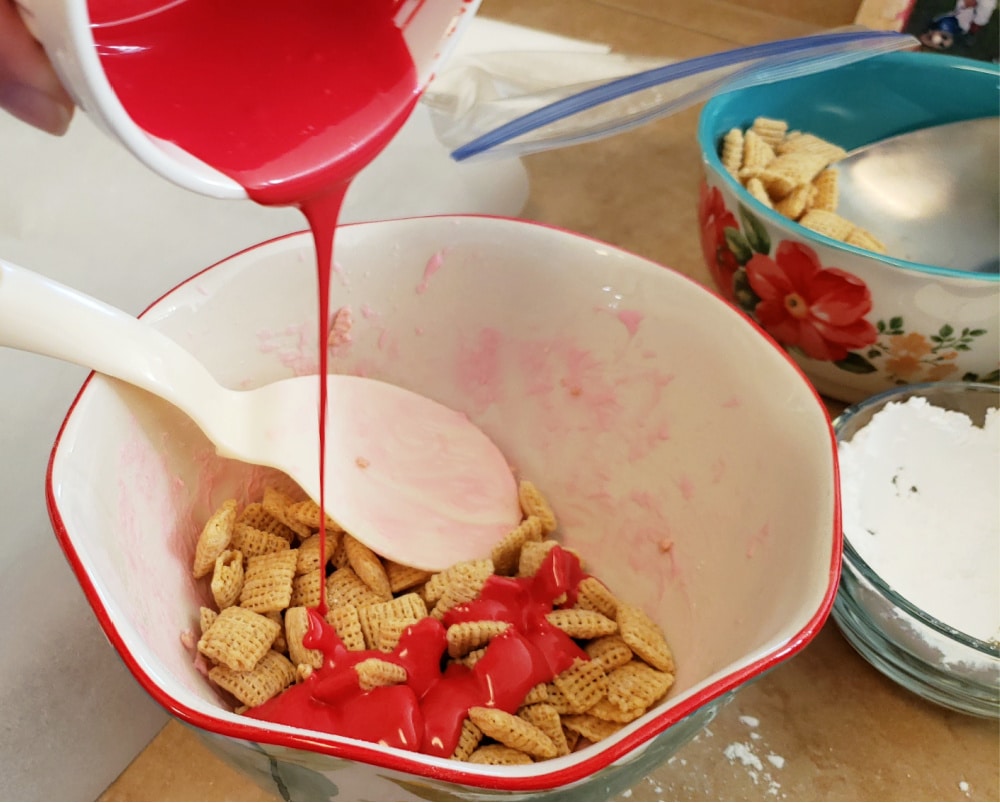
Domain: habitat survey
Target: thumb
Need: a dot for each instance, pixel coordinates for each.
(29, 87)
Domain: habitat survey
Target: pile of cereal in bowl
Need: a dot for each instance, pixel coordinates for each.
(510, 659)
(794, 173)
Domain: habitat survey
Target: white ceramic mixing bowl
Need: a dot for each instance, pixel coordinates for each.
(688, 459)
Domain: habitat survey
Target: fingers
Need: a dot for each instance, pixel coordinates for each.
(29, 87)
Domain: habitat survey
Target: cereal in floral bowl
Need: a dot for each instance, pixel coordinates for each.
(858, 321)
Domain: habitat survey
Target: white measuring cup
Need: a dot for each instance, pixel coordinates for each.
(430, 30)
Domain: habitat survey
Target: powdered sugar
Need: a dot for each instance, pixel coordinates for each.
(748, 755)
(743, 752)
(920, 489)
(752, 772)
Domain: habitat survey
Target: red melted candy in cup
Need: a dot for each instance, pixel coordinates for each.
(290, 99)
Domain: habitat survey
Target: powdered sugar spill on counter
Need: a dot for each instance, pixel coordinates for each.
(751, 755)
(753, 764)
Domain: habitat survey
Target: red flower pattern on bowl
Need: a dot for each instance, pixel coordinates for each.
(819, 312)
(802, 304)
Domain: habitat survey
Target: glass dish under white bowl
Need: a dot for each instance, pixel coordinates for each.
(913, 648)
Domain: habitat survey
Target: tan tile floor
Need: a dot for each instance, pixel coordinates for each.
(834, 727)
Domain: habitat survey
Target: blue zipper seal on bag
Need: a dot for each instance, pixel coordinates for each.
(836, 43)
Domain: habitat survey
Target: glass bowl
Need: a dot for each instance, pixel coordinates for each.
(923, 654)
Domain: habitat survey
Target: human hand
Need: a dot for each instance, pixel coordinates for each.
(29, 87)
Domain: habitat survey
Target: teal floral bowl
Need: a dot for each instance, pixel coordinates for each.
(856, 322)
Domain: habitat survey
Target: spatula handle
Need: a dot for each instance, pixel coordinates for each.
(40, 315)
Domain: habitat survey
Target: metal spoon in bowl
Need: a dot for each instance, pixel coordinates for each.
(931, 195)
(414, 480)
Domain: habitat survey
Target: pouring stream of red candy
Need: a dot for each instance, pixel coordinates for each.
(291, 100)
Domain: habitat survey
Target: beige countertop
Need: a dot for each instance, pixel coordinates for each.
(824, 725)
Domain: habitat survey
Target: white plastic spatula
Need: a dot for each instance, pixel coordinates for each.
(414, 480)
